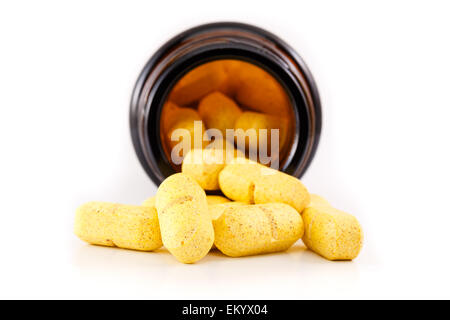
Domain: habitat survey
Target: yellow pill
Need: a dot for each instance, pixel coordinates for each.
(150, 202)
(204, 165)
(172, 118)
(197, 83)
(259, 91)
(185, 118)
(211, 200)
(180, 115)
(236, 180)
(171, 113)
(251, 182)
(123, 226)
(316, 200)
(254, 229)
(216, 209)
(219, 112)
(333, 234)
(260, 121)
(185, 222)
(231, 83)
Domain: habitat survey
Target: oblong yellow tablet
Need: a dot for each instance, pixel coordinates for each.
(171, 113)
(174, 117)
(212, 199)
(260, 91)
(251, 182)
(179, 115)
(123, 226)
(231, 83)
(255, 229)
(260, 121)
(185, 118)
(237, 180)
(216, 209)
(333, 234)
(204, 165)
(185, 222)
(198, 82)
(219, 112)
(316, 200)
(150, 202)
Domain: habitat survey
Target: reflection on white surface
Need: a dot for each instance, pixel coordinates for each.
(274, 275)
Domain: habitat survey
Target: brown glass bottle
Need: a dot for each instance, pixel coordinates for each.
(224, 41)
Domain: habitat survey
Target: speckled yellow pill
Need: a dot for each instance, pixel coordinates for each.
(123, 226)
(255, 229)
(185, 222)
(204, 165)
(236, 180)
(218, 111)
(316, 200)
(150, 202)
(212, 199)
(251, 182)
(216, 209)
(331, 233)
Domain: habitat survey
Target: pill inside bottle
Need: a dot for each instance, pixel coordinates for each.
(230, 101)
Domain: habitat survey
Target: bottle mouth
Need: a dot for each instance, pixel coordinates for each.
(213, 44)
(232, 101)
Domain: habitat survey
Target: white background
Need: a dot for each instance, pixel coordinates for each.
(66, 75)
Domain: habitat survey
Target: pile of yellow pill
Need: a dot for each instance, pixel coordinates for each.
(262, 211)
